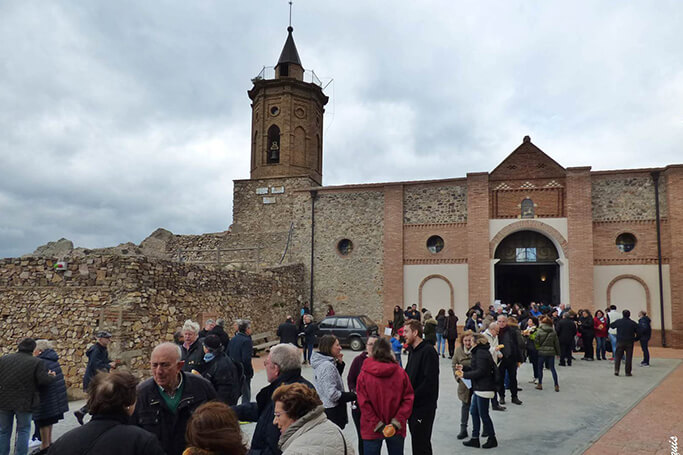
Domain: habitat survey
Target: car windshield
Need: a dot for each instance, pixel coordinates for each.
(367, 321)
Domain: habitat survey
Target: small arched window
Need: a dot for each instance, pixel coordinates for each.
(528, 208)
(273, 148)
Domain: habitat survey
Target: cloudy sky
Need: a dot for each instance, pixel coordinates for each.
(120, 117)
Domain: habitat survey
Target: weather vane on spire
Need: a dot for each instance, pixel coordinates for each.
(290, 14)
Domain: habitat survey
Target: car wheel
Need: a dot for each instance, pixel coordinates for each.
(356, 344)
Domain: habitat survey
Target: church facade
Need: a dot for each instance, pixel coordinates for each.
(528, 230)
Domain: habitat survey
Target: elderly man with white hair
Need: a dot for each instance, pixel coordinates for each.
(282, 367)
(166, 401)
(192, 352)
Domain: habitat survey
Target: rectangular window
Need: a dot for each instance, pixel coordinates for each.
(525, 255)
(342, 323)
(328, 323)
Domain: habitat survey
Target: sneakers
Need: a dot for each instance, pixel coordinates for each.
(557, 388)
(533, 381)
(642, 364)
(490, 443)
(516, 400)
(539, 386)
(474, 442)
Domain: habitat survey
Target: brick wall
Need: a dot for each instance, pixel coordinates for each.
(580, 233)
(548, 202)
(674, 191)
(605, 250)
(454, 236)
(478, 258)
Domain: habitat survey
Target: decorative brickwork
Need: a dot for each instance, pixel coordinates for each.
(435, 203)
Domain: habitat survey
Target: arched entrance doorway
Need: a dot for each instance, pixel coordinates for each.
(527, 269)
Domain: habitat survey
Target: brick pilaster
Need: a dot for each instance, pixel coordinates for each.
(580, 237)
(674, 195)
(478, 258)
(393, 251)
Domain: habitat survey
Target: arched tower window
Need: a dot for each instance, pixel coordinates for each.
(273, 149)
(528, 208)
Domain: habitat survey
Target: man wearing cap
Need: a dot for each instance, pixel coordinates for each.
(98, 360)
(21, 374)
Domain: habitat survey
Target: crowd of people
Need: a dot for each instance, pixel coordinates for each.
(189, 405)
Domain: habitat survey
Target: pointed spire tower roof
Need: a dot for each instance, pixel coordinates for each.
(289, 53)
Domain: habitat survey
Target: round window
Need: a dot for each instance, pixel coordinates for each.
(435, 244)
(626, 242)
(345, 246)
(274, 110)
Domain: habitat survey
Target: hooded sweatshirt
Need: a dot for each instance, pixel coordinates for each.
(384, 394)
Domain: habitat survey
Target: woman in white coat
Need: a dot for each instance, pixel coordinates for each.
(304, 427)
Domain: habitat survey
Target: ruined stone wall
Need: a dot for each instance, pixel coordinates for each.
(431, 203)
(141, 301)
(626, 196)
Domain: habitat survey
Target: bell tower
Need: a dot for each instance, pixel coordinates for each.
(287, 119)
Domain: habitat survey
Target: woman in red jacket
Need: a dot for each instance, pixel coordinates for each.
(600, 325)
(385, 397)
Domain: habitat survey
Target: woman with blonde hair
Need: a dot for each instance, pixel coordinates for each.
(213, 429)
(463, 356)
(304, 427)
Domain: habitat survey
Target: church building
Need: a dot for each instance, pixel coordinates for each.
(528, 230)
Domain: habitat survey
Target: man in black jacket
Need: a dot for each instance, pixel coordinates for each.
(224, 374)
(282, 367)
(98, 360)
(513, 354)
(566, 330)
(21, 375)
(288, 331)
(219, 331)
(423, 371)
(240, 350)
(167, 400)
(627, 334)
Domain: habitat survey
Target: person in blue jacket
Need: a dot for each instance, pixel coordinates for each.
(98, 360)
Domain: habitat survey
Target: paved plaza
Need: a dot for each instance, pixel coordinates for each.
(595, 412)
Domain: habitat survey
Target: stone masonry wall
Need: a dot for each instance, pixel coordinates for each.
(432, 203)
(141, 301)
(352, 284)
(628, 196)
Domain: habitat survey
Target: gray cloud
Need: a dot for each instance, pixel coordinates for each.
(120, 117)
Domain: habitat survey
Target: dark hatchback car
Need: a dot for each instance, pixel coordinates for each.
(352, 331)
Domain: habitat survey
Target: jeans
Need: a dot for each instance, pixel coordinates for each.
(549, 362)
(533, 359)
(613, 340)
(374, 446)
(355, 415)
(308, 351)
(23, 431)
(646, 351)
(398, 358)
(601, 347)
(480, 413)
(440, 343)
(246, 391)
(465, 413)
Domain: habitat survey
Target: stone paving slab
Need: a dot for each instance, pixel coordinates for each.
(591, 401)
